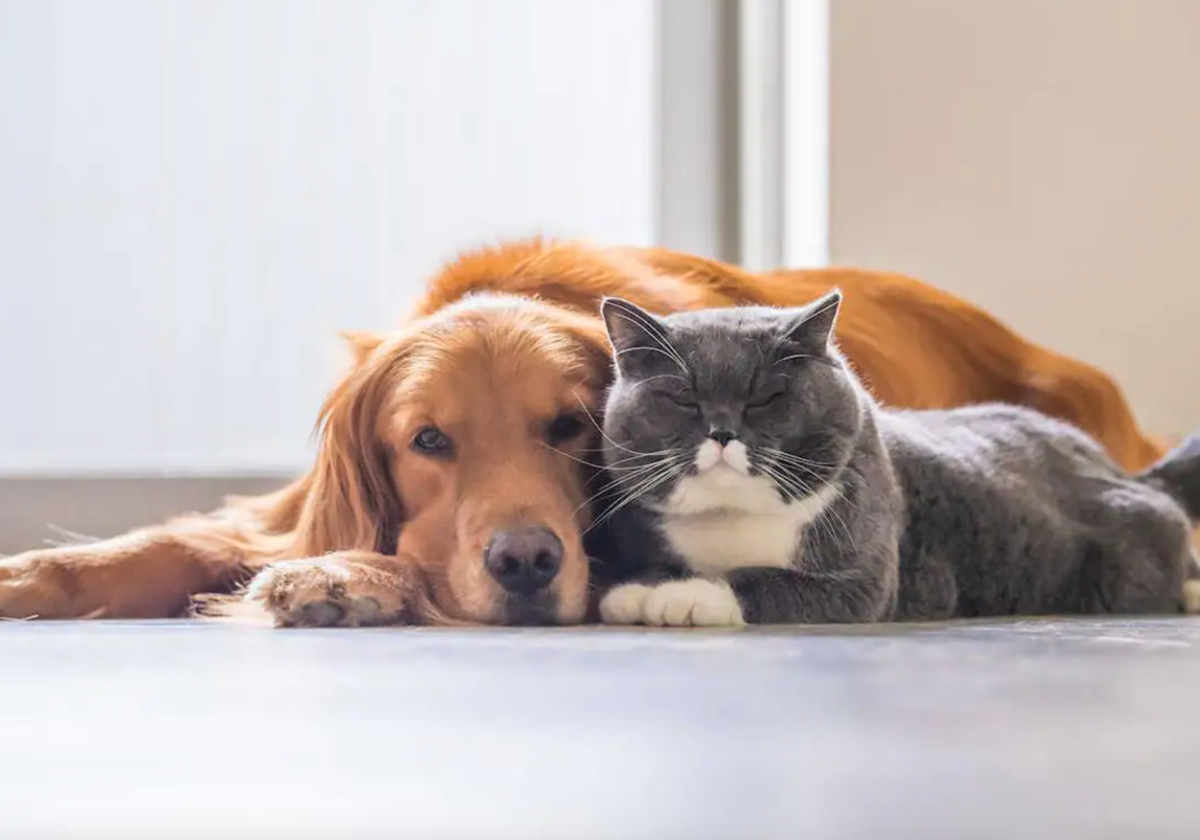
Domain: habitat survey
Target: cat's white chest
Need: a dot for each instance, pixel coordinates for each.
(723, 519)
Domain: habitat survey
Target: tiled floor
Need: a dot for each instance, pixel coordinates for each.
(1056, 729)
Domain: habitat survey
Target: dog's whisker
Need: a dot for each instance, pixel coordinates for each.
(67, 537)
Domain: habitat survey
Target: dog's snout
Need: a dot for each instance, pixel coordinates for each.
(524, 560)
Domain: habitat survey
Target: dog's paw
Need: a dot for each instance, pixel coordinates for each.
(328, 592)
(624, 604)
(696, 602)
(1191, 597)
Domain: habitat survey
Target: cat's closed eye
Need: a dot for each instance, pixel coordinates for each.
(681, 400)
(765, 399)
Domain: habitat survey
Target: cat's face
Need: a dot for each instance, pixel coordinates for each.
(740, 408)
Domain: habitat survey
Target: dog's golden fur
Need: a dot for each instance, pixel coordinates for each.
(505, 341)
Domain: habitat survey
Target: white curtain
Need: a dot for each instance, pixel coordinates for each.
(194, 194)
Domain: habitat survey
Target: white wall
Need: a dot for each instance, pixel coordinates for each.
(195, 194)
(1040, 157)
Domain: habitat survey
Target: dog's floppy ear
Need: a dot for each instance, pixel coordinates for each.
(352, 502)
(361, 344)
(588, 332)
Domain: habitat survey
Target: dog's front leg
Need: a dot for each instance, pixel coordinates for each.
(340, 589)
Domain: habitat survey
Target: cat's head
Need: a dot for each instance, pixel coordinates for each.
(727, 407)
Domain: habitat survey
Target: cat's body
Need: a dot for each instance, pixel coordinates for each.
(784, 494)
(1009, 512)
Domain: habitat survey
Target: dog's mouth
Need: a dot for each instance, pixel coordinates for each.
(536, 610)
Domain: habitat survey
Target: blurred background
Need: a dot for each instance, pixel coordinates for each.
(195, 194)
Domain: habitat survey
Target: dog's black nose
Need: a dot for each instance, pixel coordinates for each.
(722, 436)
(524, 560)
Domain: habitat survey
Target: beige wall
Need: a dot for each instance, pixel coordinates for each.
(1040, 157)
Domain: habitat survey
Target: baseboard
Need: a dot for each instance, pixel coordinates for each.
(35, 511)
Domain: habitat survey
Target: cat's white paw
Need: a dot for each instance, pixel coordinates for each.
(1191, 597)
(696, 602)
(623, 604)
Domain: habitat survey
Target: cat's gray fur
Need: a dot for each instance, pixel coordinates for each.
(981, 511)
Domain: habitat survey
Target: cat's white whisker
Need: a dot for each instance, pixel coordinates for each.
(833, 518)
(792, 457)
(661, 453)
(794, 484)
(625, 459)
(652, 470)
(633, 476)
(648, 379)
(793, 493)
(796, 490)
(574, 458)
(787, 458)
(616, 465)
(795, 356)
(615, 509)
(635, 473)
(643, 487)
(800, 462)
(648, 350)
(592, 420)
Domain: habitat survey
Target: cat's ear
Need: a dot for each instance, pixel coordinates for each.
(630, 327)
(812, 327)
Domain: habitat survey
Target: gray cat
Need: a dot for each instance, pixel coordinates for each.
(755, 480)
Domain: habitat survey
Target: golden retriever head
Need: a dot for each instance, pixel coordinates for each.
(460, 443)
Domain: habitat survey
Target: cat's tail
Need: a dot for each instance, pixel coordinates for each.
(1178, 475)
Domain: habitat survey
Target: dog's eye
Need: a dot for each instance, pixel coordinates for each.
(431, 441)
(563, 428)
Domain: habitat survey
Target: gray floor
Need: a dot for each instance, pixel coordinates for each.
(1062, 729)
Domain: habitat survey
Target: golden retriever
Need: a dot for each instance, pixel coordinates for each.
(454, 473)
